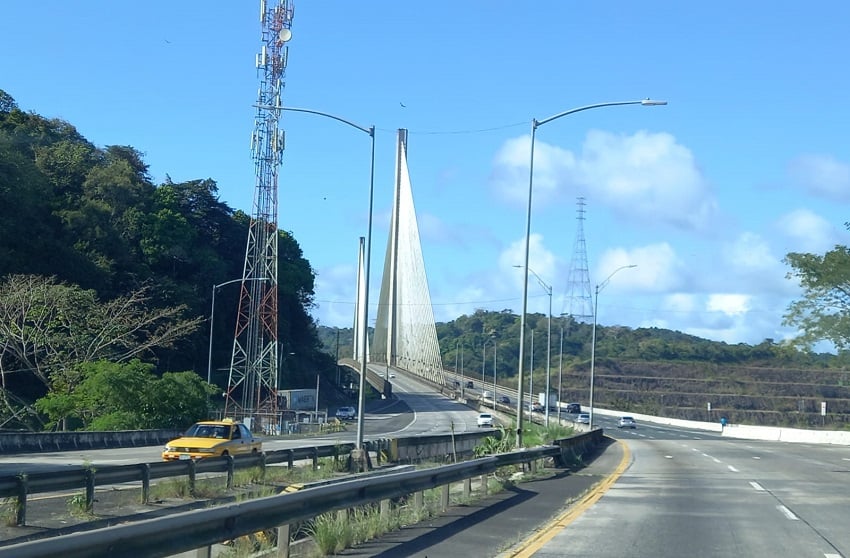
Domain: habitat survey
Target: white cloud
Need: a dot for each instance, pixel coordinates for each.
(728, 304)
(643, 176)
(553, 167)
(647, 176)
(808, 232)
(658, 268)
(822, 175)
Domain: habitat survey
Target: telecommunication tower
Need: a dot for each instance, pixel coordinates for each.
(253, 380)
(579, 301)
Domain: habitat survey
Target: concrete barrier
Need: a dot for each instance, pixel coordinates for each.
(744, 431)
(34, 442)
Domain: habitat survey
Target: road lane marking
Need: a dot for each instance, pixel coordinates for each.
(528, 547)
(787, 513)
(757, 486)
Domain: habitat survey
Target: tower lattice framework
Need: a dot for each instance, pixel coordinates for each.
(578, 299)
(253, 378)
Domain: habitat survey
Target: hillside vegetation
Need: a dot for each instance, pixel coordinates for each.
(649, 370)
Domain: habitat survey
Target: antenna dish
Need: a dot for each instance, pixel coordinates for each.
(284, 35)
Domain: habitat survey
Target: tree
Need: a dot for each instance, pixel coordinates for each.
(128, 396)
(824, 311)
(48, 329)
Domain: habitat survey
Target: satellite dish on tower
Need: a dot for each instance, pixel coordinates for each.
(284, 35)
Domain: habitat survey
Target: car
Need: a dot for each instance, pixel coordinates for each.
(583, 418)
(485, 419)
(392, 374)
(572, 408)
(470, 385)
(346, 413)
(212, 438)
(487, 395)
(536, 407)
(504, 400)
(626, 422)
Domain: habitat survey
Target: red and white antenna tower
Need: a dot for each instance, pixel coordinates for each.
(253, 379)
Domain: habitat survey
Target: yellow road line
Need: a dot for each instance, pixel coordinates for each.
(534, 543)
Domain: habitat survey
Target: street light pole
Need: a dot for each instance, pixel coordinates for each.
(534, 125)
(212, 318)
(363, 341)
(495, 350)
(599, 287)
(548, 289)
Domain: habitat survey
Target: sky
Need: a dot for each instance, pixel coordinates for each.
(748, 162)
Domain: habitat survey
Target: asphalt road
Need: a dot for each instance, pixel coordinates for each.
(416, 410)
(690, 493)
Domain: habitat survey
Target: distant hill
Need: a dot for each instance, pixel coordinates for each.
(649, 370)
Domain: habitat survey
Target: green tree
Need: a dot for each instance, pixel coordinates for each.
(49, 328)
(127, 396)
(824, 311)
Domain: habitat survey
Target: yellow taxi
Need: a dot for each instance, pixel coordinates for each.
(213, 438)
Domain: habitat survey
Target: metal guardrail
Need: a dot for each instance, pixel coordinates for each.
(20, 486)
(181, 532)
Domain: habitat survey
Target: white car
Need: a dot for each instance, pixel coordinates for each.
(583, 418)
(627, 422)
(346, 413)
(485, 419)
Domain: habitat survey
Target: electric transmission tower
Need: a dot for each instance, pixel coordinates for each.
(579, 301)
(253, 379)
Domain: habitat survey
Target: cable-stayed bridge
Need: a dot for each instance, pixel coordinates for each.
(405, 334)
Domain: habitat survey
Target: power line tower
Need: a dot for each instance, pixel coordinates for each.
(578, 299)
(253, 379)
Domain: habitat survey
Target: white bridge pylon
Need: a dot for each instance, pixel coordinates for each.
(405, 333)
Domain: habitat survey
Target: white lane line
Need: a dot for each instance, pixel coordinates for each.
(733, 469)
(668, 457)
(757, 486)
(756, 457)
(787, 513)
(716, 460)
(831, 555)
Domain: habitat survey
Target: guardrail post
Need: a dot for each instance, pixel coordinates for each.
(484, 487)
(191, 464)
(444, 497)
(385, 509)
(146, 482)
(289, 460)
(21, 512)
(263, 466)
(283, 541)
(229, 483)
(418, 500)
(315, 458)
(467, 487)
(532, 465)
(89, 489)
(204, 552)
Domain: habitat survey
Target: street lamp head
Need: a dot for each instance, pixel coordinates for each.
(652, 103)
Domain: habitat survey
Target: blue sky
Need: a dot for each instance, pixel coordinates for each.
(749, 161)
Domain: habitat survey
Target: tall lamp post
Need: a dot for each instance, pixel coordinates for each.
(212, 318)
(363, 341)
(548, 289)
(599, 287)
(534, 125)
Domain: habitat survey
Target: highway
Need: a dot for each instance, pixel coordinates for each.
(693, 493)
(417, 410)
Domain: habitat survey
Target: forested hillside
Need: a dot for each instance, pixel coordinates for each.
(79, 220)
(647, 370)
